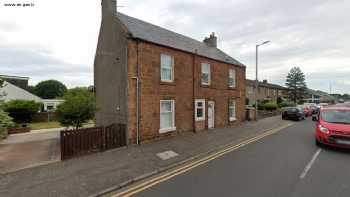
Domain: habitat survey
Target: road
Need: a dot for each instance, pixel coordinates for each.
(284, 164)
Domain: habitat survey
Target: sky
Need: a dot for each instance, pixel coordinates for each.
(56, 39)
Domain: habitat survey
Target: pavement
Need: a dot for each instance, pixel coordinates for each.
(26, 150)
(102, 172)
(287, 163)
(33, 136)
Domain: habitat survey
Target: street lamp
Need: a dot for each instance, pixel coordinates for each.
(256, 77)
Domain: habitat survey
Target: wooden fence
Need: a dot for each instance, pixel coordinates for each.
(77, 142)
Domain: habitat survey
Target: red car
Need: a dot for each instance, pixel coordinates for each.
(333, 126)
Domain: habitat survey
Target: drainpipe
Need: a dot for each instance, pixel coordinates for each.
(194, 88)
(137, 94)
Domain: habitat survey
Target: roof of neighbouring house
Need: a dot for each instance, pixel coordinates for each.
(13, 92)
(158, 35)
(265, 84)
(14, 77)
(320, 93)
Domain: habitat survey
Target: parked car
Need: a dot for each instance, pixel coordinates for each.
(307, 110)
(314, 109)
(294, 113)
(333, 126)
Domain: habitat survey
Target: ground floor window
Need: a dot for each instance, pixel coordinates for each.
(232, 110)
(199, 109)
(167, 116)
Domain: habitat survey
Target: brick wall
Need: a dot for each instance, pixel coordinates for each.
(183, 90)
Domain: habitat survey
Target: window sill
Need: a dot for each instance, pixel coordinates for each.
(166, 130)
(233, 119)
(200, 119)
(232, 88)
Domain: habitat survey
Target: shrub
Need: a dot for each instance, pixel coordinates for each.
(21, 111)
(270, 106)
(285, 104)
(5, 123)
(79, 107)
(260, 106)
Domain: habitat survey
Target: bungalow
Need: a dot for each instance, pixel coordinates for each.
(158, 82)
(16, 88)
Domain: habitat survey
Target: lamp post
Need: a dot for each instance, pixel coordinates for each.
(256, 77)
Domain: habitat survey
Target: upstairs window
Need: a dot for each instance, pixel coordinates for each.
(200, 109)
(167, 116)
(232, 78)
(205, 74)
(232, 110)
(167, 68)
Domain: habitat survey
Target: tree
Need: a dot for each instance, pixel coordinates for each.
(79, 107)
(5, 119)
(279, 100)
(31, 89)
(5, 123)
(296, 84)
(50, 89)
(21, 111)
(2, 93)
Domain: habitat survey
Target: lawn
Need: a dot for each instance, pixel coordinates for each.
(50, 125)
(44, 125)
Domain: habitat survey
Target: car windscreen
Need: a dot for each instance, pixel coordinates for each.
(336, 116)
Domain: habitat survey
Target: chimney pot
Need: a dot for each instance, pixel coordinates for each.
(211, 41)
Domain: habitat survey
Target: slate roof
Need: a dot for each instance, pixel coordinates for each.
(158, 35)
(267, 85)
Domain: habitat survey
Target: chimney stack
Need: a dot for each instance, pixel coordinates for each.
(265, 81)
(109, 7)
(211, 41)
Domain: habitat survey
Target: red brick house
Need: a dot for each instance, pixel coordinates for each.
(158, 82)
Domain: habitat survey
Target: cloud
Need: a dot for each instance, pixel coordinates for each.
(7, 26)
(312, 34)
(39, 64)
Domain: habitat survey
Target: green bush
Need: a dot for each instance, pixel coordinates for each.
(21, 111)
(5, 123)
(79, 107)
(260, 106)
(285, 104)
(270, 106)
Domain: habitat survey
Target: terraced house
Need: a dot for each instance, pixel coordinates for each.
(159, 82)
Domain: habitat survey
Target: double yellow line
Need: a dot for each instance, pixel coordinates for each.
(166, 176)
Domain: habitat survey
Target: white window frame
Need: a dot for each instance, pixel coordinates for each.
(232, 75)
(232, 101)
(196, 107)
(172, 128)
(162, 66)
(209, 74)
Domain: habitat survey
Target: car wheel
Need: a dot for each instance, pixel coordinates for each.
(319, 144)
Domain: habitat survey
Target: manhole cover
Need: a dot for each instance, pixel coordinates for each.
(167, 155)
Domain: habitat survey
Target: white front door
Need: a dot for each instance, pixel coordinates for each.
(211, 114)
